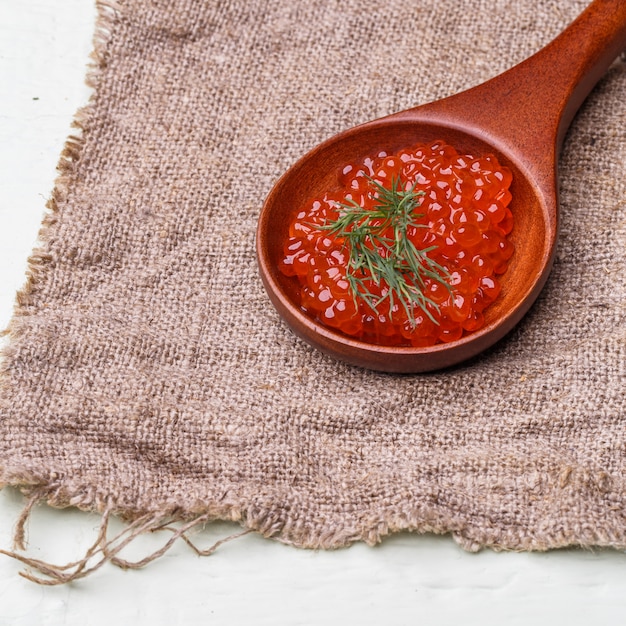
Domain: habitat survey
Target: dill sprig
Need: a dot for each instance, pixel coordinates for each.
(381, 251)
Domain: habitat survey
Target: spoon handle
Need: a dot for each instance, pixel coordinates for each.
(581, 55)
(545, 91)
(528, 108)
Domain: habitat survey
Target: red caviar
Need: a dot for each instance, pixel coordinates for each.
(461, 222)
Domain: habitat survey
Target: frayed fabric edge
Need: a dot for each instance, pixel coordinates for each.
(108, 13)
(104, 549)
(264, 521)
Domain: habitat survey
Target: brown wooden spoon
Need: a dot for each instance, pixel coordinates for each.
(521, 116)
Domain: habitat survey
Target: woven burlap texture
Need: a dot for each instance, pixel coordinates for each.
(147, 374)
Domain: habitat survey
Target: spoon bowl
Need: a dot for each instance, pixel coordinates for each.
(521, 117)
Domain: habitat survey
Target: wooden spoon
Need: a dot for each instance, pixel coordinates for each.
(521, 116)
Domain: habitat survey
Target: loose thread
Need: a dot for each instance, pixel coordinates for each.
(177, 533)
(106, 550)
(124, 564)
(19, 534)
(210, 550)
(58, 574)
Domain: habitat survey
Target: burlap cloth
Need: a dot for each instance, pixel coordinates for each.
(147, 374)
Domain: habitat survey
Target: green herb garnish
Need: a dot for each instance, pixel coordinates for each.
(380, 250)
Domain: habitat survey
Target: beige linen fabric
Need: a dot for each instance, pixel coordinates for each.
(147, 374)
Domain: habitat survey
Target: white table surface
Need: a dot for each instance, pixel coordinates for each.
(409, 579)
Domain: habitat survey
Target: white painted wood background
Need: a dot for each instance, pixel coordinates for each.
(409, 579)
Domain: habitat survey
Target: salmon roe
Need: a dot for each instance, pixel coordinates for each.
(461, 221)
